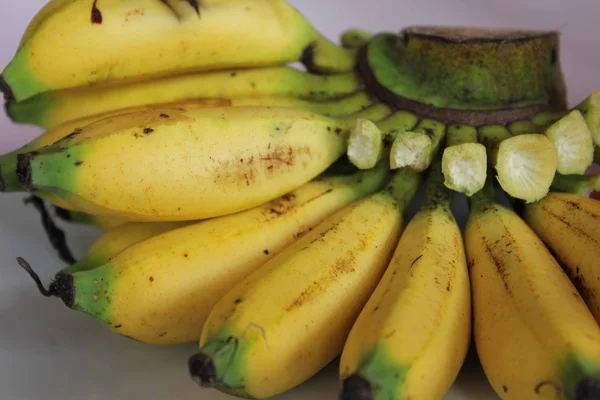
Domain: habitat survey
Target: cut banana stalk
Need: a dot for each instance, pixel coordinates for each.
(418, 148)
(572, 139)
(367, 142)
(364, 144)
(464, 162)
(525, 164)
(582, 185)
(524, 126)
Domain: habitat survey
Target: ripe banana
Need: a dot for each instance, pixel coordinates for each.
(287, 320)
(535, 336)
(80, 43)
(187, 164)
(416, 327)
(117, 239)
(570, 227)
(54, 108)
(162, 289)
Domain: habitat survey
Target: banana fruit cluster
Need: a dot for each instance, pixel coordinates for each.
(262, 209)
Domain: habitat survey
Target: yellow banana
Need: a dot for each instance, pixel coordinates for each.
(80, 42)
(117, 239)
(570, 225)
(286, 321)
(188, 164)
(416, 327)
(56, 107)
(162, 289)
(535, 336)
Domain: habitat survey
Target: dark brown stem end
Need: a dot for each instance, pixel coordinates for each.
(588, 389)
(202, 370)
(355, 387)
(24, 170)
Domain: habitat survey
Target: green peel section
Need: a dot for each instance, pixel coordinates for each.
(35, 110)
(575, 368)
(21, 79)
(88, 262)
(465, 76)
(403, 185)
(55, 169)
(383, 374)
(93, 292)
(8, 172)
(229, 355)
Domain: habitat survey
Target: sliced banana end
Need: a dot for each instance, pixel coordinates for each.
(412, 150)
(465, 167)
(574, 145)
(525, 166)
(365, 144)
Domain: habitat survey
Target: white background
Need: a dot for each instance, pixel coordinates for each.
(50, 352)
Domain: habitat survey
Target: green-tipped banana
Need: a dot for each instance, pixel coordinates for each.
(81, 43)
(56, 107)
(187, 164)
(290, 318)
(162, 289)
(525, 164)
(464, 161)
(417, 148)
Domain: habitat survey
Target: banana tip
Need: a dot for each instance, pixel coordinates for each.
(202, 370)
(9, 95)
(65, 289)
(63, 214)
(355, 387)
(24, 169)
(587, 389)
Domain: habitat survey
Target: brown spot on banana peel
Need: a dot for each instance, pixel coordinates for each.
(96, 14)
(194, 4)
(444, 115)
(24, 174)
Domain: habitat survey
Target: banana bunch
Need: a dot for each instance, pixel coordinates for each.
(262, 210)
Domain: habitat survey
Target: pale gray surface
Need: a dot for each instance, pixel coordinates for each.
(48, 351)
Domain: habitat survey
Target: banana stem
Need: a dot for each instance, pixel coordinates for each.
(368, 141)
(403, 185)
(484, 198)
(416, 149)
(437, 194)
(355, 38)
(464, 161)
(582, 185)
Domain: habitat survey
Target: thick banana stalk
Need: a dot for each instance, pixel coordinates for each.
(289, 319)
(570, 225)
(57, 107)
(81, 43)
(188, 164)
(464, 160)
(416, 327)
(535, 336)
(117, 239)
(162, 289)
